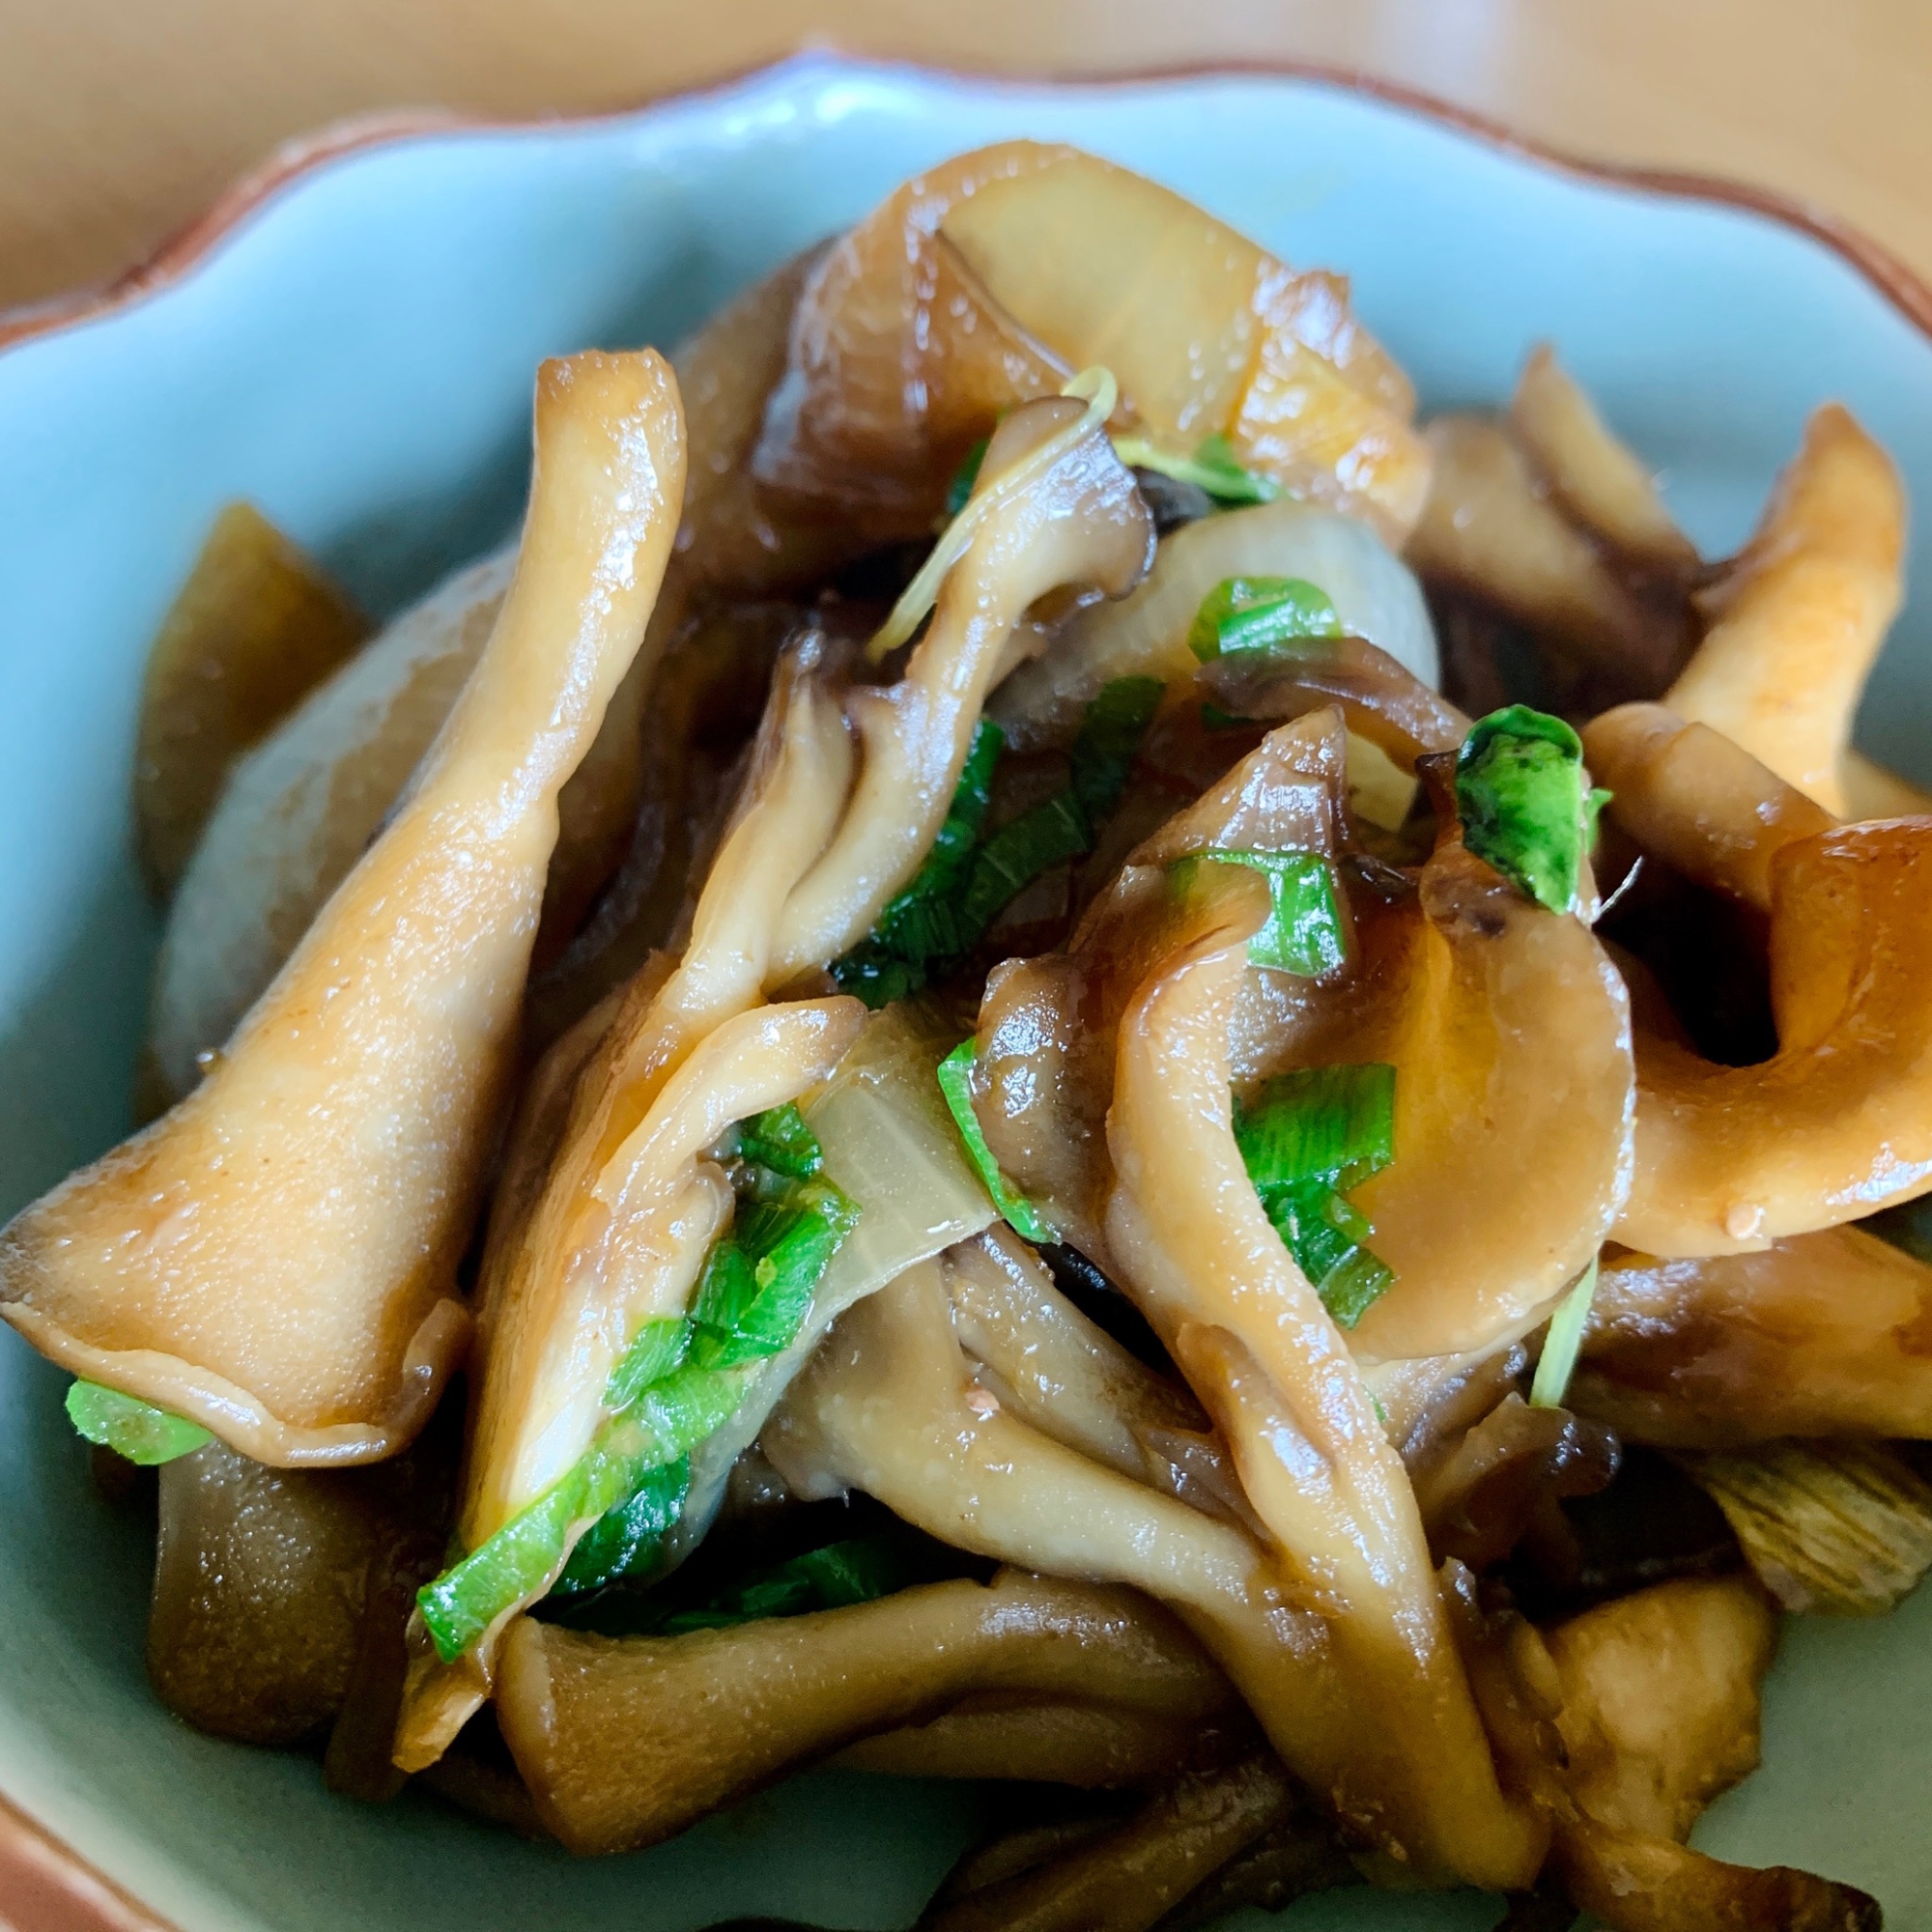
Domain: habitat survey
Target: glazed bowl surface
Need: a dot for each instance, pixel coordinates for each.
(349, 344)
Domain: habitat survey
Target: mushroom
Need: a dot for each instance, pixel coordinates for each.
(1032, 1739)
(1838, 1123)
(1797, 616)
(631, 1206)
(1821, 1334)
(627, 1741)
(305, 803)
(883, 1407)
(302, 1304)
(300, 809)
(1128, 1879)
(1593, 475)
(1621, 1726)
(1055, 1368)
(1052, 506)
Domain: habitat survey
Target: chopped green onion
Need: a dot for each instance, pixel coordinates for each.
(1215, 719)
(1213, 468)
(1563, 1341)
(657, 1347)
(960, 490)
(1521, 796)
(779, 1139)
(627, 1540)
(1307, 1139)
(859, 1569)
(1260, 614)
(968, 881)
(759, 1278)
(1332, 1123)
(1053, 831)
(955, 1082)
(130, 1426)
(1303, 933)
(1111, 734)
(680, 1380)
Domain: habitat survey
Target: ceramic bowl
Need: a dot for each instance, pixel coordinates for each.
(349, 341)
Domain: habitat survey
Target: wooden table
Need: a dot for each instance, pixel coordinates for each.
(119, 118)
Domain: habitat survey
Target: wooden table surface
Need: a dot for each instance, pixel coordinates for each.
(120, 118)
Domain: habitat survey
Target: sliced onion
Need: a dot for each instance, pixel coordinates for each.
(890, 1145)
(1374, 593)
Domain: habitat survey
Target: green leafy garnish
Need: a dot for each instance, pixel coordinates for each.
(1303, 933)
(1308, 1139)
(968, 881)
(1213, 468)
(1112, 730)
(959, 491)
(627, 1540)
(759, 1278)
(781, 1140)
(1563, 1341)
(859, 1569)
(1261, 613)
(679, 1382)
(955, 1083)
(1521, 796)
(130, 1426)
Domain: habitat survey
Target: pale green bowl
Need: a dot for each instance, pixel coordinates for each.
(351, 347)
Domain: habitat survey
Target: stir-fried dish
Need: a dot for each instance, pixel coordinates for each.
(1040, 1051)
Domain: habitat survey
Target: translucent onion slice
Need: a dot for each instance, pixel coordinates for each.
(890, 1145)
(1145, 635)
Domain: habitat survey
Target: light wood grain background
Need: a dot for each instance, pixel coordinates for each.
(120, 118)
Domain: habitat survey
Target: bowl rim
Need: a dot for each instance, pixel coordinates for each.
(180, 253)
(39, 1869)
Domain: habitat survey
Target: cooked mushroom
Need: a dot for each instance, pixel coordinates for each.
(300, 1302)
(626, 1740)
(300, 809)
(1820, 1334)
(1595, 477)
(1586, 1723)
(1800, 614)
(1056, 507)
(1839, 1122)
(1490, 528)
(884, 1408)
(1126, 1880)
(1090, 1746)
(303, 804)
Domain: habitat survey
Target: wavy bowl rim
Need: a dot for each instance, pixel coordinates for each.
(33, 1861)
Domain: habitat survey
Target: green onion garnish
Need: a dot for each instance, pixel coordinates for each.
(859, 1569)
(959, 491)
(1563, 1341)
(955, 1082)
(968, 881)
(679, 1382)
(1308, 1139)
(1303, 933)
(627, 1540)
(130, 1426)
(1213, 468)
(1261, 613)
(1519, 794)
(1111, 734)
(781, 1140)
